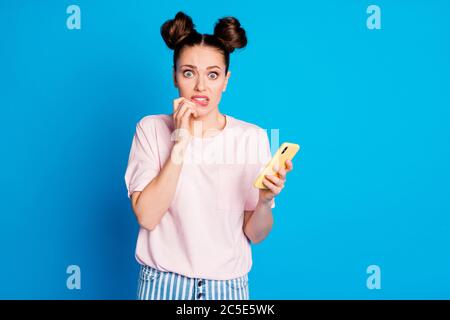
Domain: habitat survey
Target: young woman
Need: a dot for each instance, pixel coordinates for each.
(190, 177)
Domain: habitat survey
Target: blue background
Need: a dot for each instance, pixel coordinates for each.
(370, 109)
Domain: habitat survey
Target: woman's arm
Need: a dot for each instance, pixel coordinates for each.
(258, 223)
(150, 204)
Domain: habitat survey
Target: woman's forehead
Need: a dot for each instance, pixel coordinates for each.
(201, 57)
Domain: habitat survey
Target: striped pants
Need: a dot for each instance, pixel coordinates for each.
(154, 284)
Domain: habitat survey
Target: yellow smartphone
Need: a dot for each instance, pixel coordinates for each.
(285, 152)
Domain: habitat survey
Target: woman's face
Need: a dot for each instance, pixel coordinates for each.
(200, 76)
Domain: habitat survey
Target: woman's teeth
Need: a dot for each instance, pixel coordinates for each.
(201, 101)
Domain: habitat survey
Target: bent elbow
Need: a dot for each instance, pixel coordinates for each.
(144, 223)
(145, 220)
(256, 240)
(257, 237)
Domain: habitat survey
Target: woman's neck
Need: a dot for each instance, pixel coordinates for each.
(211, 124)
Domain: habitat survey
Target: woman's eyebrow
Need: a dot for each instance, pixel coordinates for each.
(194, 67)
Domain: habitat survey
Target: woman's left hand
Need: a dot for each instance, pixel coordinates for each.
(275, 183)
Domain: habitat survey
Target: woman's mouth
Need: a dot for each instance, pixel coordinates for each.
(200, 100)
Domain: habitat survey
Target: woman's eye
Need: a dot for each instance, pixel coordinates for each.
(214, 75)
(188, 74)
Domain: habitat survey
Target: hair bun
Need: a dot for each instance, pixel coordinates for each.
(173, 31)
(229, 31)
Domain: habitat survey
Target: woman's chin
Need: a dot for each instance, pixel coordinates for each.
(203, 111)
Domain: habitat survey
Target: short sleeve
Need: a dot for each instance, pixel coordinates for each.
(264, 156)
(143, 163)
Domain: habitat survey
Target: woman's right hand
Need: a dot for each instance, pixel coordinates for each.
(184, 112)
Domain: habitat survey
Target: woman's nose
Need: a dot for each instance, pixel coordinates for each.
(200, 84)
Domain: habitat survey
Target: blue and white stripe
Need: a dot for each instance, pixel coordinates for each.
(159, 285)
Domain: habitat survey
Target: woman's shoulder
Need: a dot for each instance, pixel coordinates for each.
(242, 124)
(246, 128)
(154, 120)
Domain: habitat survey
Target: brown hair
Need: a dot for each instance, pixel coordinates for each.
(180, 32)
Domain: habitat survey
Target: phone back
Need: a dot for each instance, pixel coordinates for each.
(285, 152)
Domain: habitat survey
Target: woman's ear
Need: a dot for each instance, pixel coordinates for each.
(226, 81)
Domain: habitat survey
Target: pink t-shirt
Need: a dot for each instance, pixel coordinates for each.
(201, 234)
